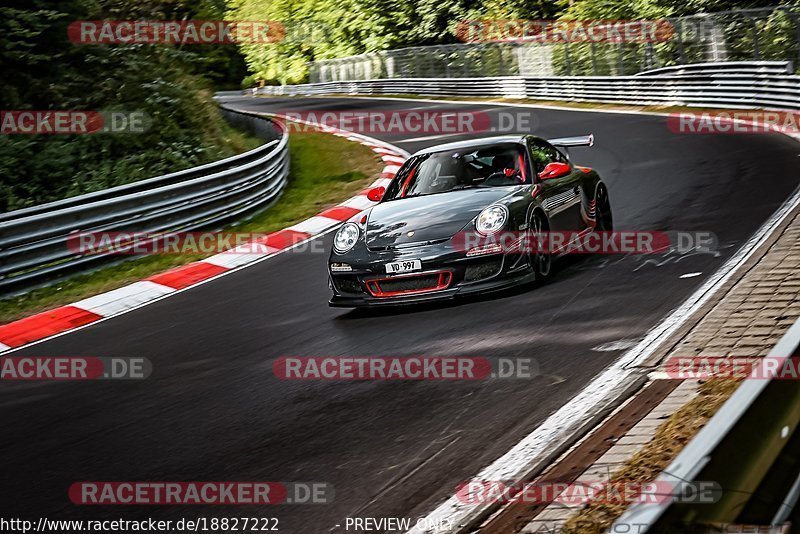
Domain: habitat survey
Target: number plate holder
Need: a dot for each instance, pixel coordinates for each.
(404, 266)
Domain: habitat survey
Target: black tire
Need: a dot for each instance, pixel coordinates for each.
(540, 261)
(602, 206)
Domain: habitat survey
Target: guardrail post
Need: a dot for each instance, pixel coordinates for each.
(650, 56)
(567, 59)
(756, 50)
(679, 33)
(796, 21)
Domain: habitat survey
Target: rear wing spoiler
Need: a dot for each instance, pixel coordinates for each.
(582, 140)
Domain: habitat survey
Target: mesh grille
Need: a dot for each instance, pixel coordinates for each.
(415, 283)
(410, 284)
(347, 284)
(481, 270)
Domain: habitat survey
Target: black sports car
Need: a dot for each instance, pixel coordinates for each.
(432, 234)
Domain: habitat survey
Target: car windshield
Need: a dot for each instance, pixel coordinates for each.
(439, 172)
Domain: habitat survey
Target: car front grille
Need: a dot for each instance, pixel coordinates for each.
(404, 285)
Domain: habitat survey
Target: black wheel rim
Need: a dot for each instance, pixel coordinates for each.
(604, 221)
(540, 259)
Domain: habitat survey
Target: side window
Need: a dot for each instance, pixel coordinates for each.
(543, 153)
(393, 191)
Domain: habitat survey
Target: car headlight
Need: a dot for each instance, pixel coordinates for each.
(491, 220)
(346, 237)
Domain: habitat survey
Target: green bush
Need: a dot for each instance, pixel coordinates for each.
(43, 70)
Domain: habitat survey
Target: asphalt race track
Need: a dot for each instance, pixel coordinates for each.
(213, 410)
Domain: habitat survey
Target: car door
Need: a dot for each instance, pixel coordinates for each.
(561, 194)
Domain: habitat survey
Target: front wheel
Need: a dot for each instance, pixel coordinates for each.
(539, 257)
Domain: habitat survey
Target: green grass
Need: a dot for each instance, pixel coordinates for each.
(238, 142)
(325, 170)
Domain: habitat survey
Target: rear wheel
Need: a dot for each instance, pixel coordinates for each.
(538, 256)
(605, 221)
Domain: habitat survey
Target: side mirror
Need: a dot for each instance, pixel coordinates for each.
(554, 170)
(376, 193)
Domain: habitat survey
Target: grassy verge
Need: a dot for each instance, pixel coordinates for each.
(237, 142)
(654, 457)
(325, 170)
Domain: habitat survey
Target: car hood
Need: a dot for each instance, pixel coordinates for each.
(431, 217)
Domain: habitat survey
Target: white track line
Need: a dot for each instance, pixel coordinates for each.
(794, 136)
(118, 300)
(558, 430)
(314, 225)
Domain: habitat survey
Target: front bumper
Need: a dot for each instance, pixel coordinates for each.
(445, 274)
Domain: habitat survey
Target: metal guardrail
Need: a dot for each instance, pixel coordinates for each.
(760, 34)
(716, 85)
(34, 242)
(730, 67)
(739, 449)
(439, 61)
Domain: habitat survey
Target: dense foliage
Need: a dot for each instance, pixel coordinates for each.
(325, 29)
(43, 70)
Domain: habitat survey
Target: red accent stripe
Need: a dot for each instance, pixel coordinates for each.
(374, 287)
(407, 182)
(284, 238)
(340, 213)
(45, 324)
(389, 175)
(187, 275)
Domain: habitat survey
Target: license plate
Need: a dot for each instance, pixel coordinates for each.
(406, 266)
